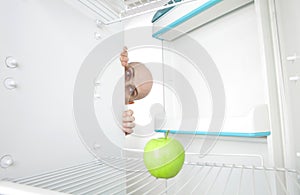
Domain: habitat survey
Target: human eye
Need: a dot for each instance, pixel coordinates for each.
(127, 74)
(132, 91)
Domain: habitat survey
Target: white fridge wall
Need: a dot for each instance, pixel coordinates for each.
(289, 41)
(49, 40)
(233, 43)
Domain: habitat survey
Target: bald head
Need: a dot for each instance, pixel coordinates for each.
(138, 81)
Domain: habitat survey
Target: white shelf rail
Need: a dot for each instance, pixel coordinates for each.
(195, 178)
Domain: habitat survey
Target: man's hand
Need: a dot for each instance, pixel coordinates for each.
(128, 122)
(124, 57)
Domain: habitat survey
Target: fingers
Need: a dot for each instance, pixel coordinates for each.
(124, 57)
(127, 131)
(127, 113)
(128, 122)
(124, 61)
(127, 119)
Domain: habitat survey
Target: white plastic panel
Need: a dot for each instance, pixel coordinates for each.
(288, 63)
(49, 40)
(233, 43)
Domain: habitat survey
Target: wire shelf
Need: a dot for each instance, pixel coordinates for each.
(99, 177)
(113, 11)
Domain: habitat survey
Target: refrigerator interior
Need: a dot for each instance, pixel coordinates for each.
(227, 88)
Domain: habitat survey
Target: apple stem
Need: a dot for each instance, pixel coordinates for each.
(166, 134)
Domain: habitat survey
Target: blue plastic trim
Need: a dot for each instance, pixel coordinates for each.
(162, 12)
(228, 134)
(186, 17)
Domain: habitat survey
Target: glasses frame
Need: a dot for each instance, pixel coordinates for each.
(131, 88)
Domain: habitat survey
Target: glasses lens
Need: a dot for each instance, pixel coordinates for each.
(128, 74)
(131, 91)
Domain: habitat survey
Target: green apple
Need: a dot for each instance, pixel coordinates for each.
(164, 157)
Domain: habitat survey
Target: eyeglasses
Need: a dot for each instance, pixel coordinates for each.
(130, 89)
(129, 73)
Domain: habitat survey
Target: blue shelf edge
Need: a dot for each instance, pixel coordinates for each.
(227, 134)
(186, 17)
(162, 12)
